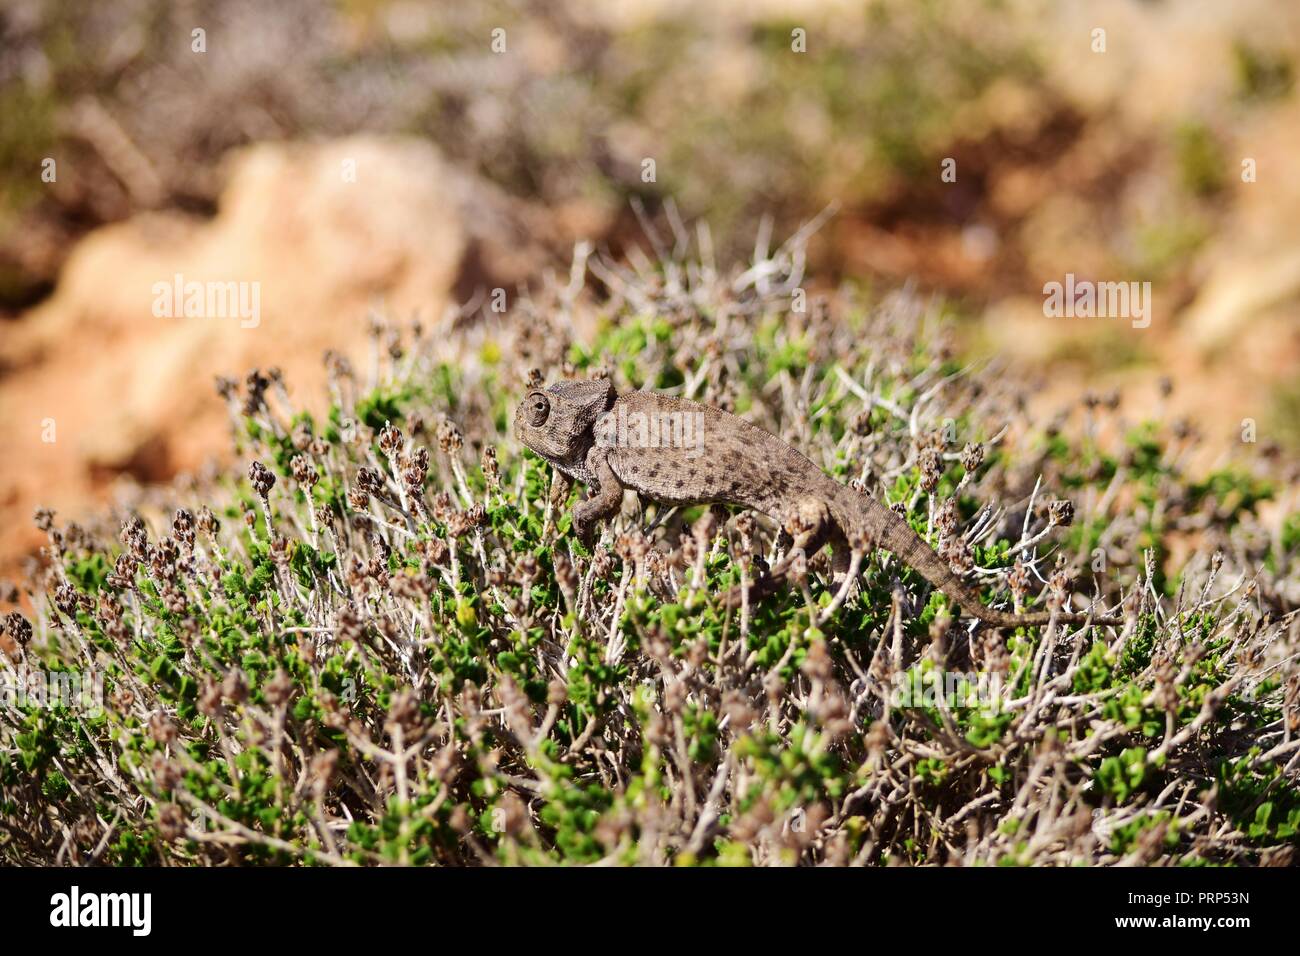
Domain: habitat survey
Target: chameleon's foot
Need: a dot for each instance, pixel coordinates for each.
(757, 590)
(767, 582)
(585, 529)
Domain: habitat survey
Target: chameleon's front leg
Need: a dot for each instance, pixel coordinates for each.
(561, 485)
(605, 499)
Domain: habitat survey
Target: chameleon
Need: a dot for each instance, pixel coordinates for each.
(678, 452)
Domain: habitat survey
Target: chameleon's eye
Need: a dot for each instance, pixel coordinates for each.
(539, 406)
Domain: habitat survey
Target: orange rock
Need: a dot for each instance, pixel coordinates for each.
(322, 232)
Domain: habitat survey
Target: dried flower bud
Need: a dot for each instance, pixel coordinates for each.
(960, 557)
(337, 365)
(601, 564)
(1061, 513)
(209, 703)
(1165, 694)
(565, 574)
(165, 773)
(65, 599)
(1018, 580)
(123, 574)
(278, 689)
(134, 537)
(450, 439)
(280, 551)
(255, 385)
(415, 468)
(208, 524)
(183, 525)
(44, 518)
(233, 686)
(404, 710)
(173, 598)
(526, 569)
(435, 551)
(557, 692)
(946, 520)
(491, 468)
(304, 472)
(931, 470)
(322, 768)
(370, 481)
(390, 441)
(301, 436)
(161, 728)
(459, 524)
(996, 659)
(817, 662)
(262, 479)
(1057, 585)
(441, 506)
(171, 822)
(349, 624)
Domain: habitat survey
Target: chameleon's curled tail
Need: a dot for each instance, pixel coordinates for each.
(910, 548)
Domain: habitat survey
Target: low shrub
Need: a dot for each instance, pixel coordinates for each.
(376, 640)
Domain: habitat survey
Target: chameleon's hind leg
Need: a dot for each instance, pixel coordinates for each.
(842, 565)
(810, 527)
(841, 556)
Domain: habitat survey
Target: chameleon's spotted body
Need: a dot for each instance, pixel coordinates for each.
(604, 440)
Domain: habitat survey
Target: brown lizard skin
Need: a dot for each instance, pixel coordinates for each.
(594, 435)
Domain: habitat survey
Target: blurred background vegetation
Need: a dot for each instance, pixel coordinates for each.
(1115, 164)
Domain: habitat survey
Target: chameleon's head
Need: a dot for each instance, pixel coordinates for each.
(557, 422)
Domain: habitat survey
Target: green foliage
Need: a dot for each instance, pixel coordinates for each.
(1201, 162)
(1262, 74)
